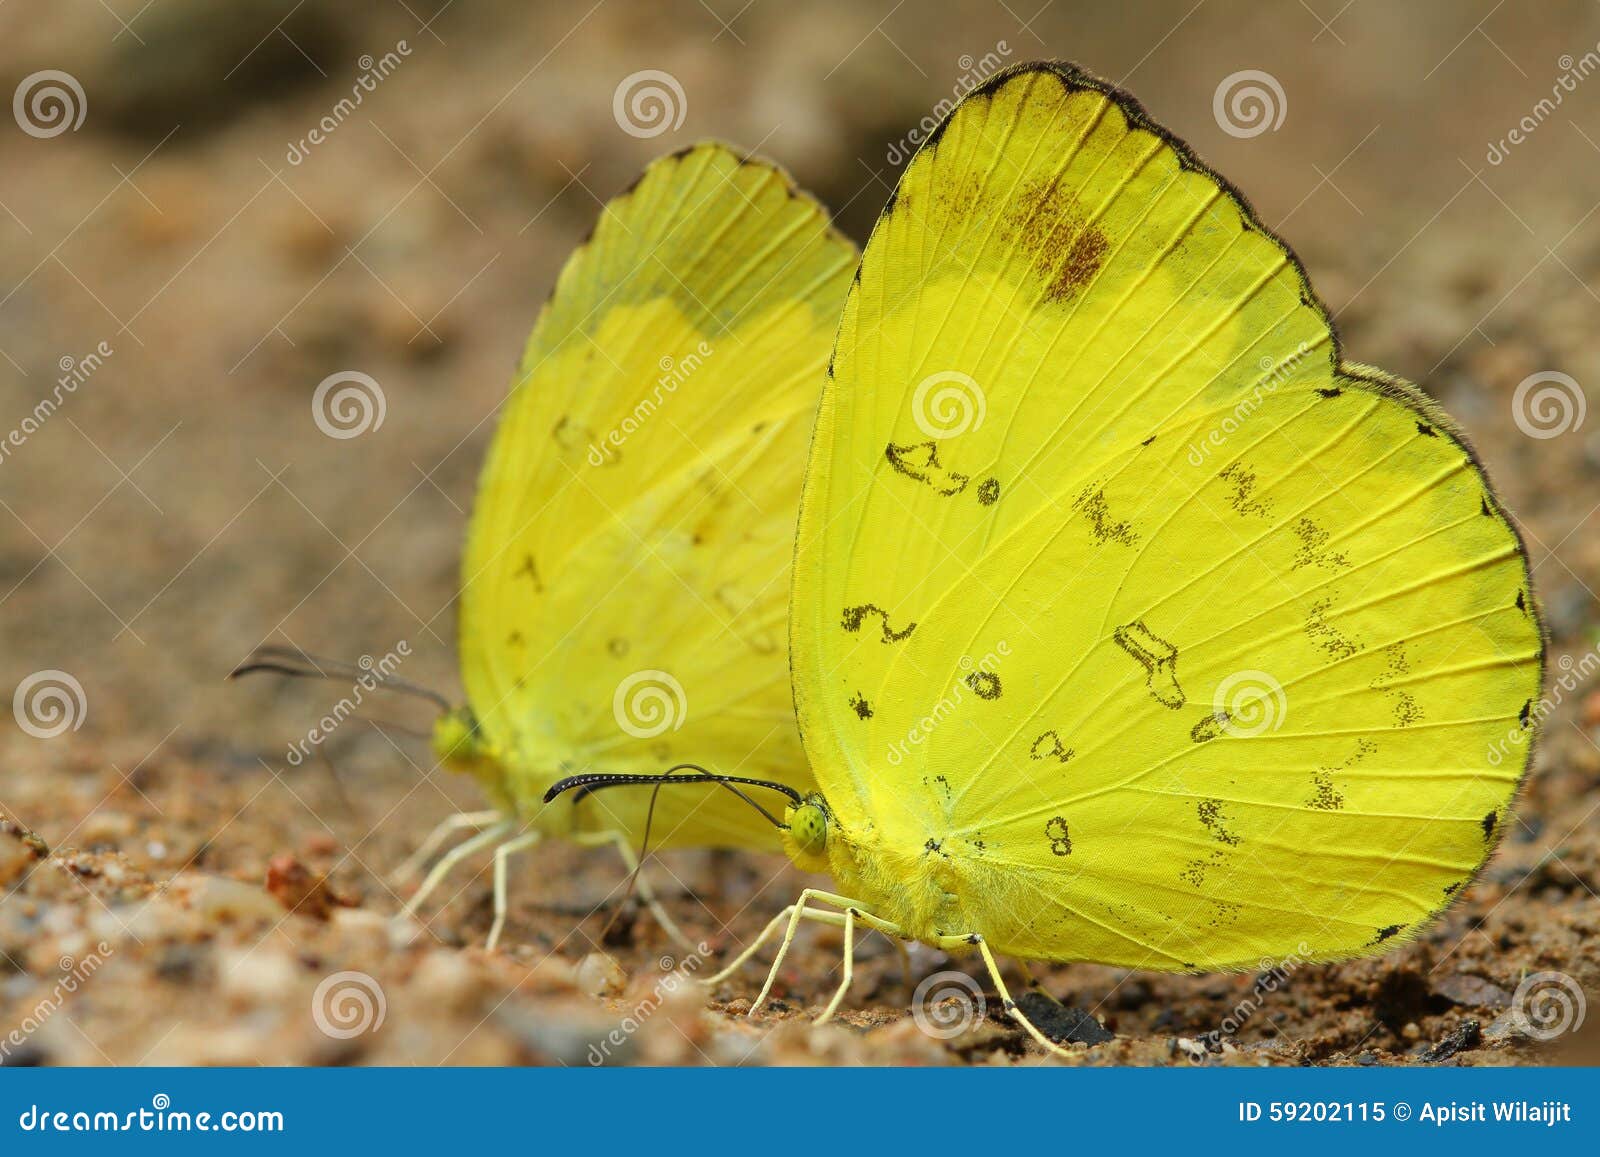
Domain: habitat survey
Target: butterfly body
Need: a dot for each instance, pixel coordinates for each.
(624, 583)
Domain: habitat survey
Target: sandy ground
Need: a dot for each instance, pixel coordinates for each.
(172, 890)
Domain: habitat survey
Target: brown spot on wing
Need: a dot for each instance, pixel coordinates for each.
(1040, 220)
(1084, 258)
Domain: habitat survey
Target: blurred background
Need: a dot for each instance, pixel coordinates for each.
(207, 208)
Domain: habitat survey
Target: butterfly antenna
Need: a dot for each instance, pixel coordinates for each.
(589, 782)
(298, 664)
(644, 854)
(383, 726)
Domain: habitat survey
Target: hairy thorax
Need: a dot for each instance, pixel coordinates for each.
(915, 887)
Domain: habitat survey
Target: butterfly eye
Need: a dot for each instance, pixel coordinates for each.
(808, 824)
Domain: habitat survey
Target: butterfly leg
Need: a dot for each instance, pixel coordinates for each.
(436, 838)
(978, 942)
(847, 967)
(630, 859)
(453, 857)
(851, 912)
(1029, 978)
(847, 921)
(501, 855)
(755, 946)
(796, 911)
(905, 963)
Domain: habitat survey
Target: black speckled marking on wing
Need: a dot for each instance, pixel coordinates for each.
(853, 616)
(1049, 746)
(984, 684)
(1159, 659)
(1327, 637)
(1312, 551)
(1241, 496)
(920, 461)
(1103, 528)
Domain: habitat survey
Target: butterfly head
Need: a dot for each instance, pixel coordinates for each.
(805, 836)
(456, 738)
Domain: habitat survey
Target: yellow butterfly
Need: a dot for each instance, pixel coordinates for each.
(1130, 623)
(625, 582)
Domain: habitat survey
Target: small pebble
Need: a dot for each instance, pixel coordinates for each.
(600, 975)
